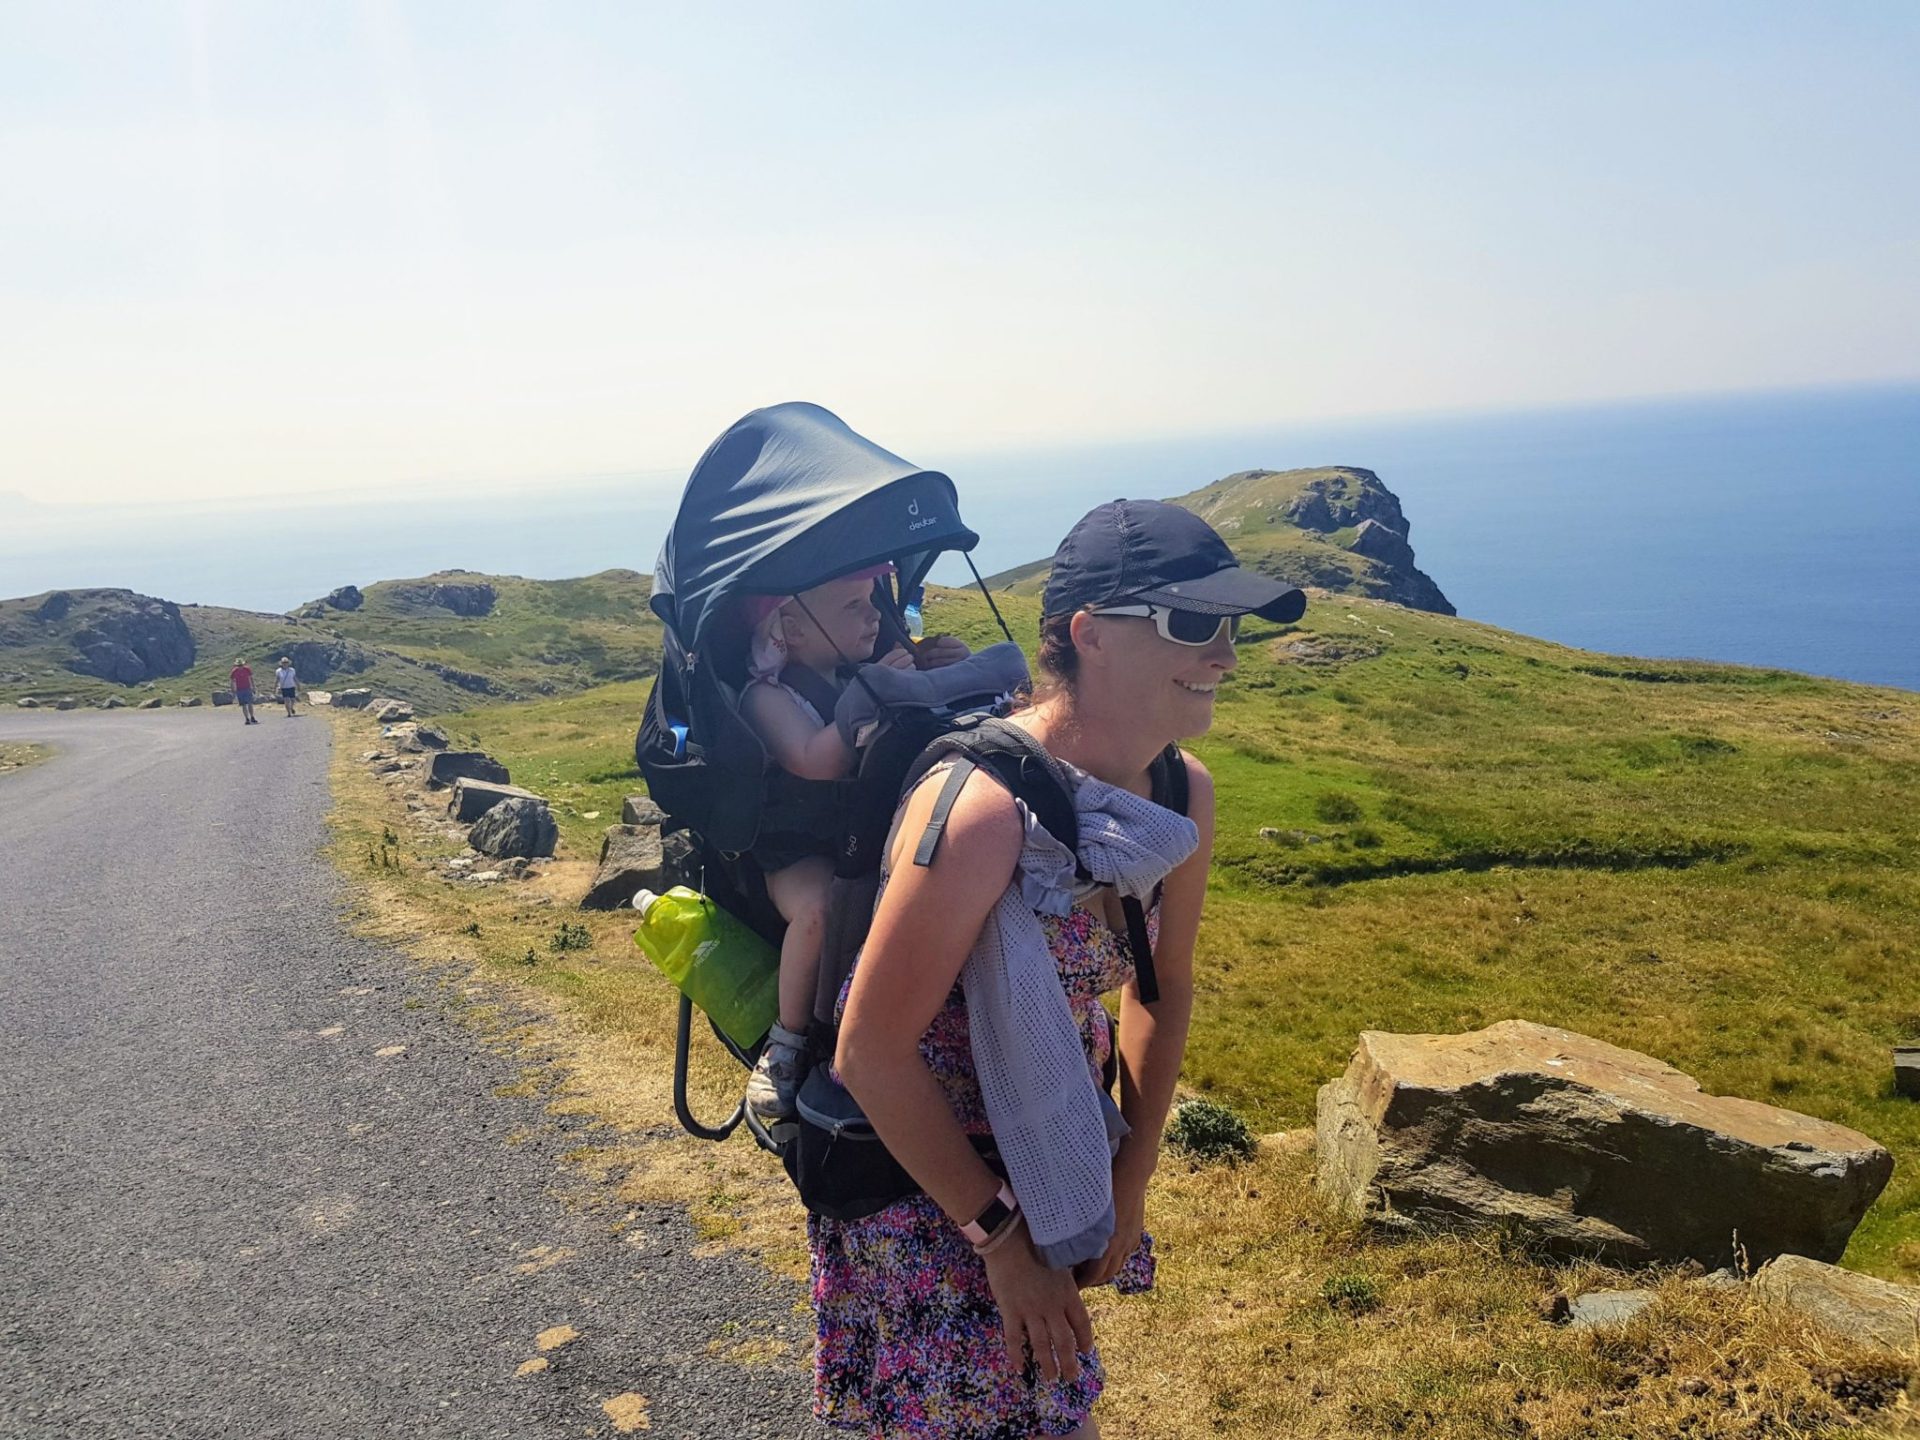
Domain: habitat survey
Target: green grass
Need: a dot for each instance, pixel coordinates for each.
(541, 635)
(1716, 866)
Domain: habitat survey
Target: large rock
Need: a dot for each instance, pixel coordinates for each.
(1382, 543)
(152, 702)
(347, 597)
(127, 638)
(631, 860)
(223, 697)
(27, 702)
(412, 736)
(522, 825)
(473, 798)
(389, 711)
(640, 810)
(1845, 1303)
(1587, 1148)
(446, 766)
(318, 661)
(354, 699)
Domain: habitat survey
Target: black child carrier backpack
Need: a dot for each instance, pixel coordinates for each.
(788, 498)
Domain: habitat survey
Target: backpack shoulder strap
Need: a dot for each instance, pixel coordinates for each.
(1169, 776)
(1012, 757)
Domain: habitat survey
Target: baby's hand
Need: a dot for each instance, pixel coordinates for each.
(937, 651)
(896, 659)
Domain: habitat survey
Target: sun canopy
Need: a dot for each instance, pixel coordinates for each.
(788, 498)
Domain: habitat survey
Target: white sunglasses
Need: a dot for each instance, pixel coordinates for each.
(1182, 627)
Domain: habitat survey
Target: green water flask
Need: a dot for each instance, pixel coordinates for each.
(729, 972)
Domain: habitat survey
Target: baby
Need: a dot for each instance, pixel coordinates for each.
(818, 630)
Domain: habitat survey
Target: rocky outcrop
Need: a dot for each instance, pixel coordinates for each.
(466, 679)
(318, 661)
(522, 825)
(461, 597)
(121, 636)
(347, 597)
(1586, 1148)
(446, 766)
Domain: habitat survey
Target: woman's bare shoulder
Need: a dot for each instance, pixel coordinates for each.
(983, 827)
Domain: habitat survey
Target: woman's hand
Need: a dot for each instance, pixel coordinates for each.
(1040, 1310)
(1130, 1223)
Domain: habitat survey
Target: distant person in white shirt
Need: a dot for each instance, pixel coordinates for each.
(287, 678)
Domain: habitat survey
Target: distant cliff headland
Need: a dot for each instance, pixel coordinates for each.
(1337, 528)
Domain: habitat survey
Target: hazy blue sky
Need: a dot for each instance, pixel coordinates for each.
(258, 248)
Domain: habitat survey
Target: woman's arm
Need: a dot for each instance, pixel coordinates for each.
(798, 746)
(1153, 1042)
(923, 931)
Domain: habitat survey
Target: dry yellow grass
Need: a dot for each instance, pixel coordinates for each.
(1273, 1317)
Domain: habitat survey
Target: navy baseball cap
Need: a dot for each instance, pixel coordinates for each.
(1149, 550)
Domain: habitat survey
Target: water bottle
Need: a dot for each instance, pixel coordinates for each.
(728, 971)
(916, 627)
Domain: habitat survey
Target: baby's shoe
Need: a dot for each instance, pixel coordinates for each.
(776, 1079)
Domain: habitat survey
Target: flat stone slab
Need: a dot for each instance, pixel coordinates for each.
(1906, 1071)
(1607, 1309)
(473, 798)
(1587, 1148)
(1845, 1303)
(640, 810)
(354, 699)
(446, 766)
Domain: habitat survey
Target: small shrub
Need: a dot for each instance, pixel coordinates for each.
(472, 927)
(1205, 1131)
(572, 937)
(1351, 1294)
(1336, 807)
(387, 837)
(1365, 837)
(530, 959)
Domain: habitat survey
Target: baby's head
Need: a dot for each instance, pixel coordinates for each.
(832, 621)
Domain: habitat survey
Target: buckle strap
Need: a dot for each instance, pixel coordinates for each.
(942, 808)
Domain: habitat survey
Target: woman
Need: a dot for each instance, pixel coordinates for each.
(937, 1317)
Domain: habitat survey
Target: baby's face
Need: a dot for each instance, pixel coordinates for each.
(847, 619)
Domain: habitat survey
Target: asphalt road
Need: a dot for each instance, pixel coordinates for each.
(220, 1215)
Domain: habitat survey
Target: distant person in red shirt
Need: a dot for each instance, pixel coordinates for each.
(242, 678)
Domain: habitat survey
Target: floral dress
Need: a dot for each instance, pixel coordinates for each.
(910, 1339)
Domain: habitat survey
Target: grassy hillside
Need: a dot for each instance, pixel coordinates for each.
(35, 655)
(537, 636)
(1427, 824)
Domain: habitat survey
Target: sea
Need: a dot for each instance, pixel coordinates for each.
(1778, 529)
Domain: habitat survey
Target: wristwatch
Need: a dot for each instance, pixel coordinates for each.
(988, 1222)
